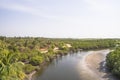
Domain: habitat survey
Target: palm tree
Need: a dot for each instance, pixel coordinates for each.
(10, 68)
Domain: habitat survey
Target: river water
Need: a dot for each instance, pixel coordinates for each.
(73, 66)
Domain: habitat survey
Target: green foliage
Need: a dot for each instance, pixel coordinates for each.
(116, 68)
(10, 69)
(36, 60)
(113, 61)
(28, 68)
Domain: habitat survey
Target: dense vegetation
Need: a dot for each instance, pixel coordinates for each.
(22, 55)
(113, 61)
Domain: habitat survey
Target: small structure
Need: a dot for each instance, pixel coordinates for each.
(43, 50)
(55, 49)
(68, 45)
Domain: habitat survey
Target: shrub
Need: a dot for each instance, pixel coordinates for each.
(28, 68)
(36, 60)
(113, 62)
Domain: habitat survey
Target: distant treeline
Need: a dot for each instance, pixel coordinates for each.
(22, 55)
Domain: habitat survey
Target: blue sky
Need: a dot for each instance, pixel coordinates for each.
(60, 18)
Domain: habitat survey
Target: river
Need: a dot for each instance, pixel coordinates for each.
(84, 65)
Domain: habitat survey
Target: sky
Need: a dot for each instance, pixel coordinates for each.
(60, 18)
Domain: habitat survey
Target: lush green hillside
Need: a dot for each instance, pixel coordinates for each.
(22, 55)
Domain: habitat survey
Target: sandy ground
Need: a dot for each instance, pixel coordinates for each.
(94, 63)
(30, 75)
(92, 66)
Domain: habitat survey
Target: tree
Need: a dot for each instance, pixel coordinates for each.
(10, 69)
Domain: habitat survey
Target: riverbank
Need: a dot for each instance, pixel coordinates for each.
(60, 54)
(95, 63)
(31, 75)
(93, 66)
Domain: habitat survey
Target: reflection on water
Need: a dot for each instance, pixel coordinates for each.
(70, 67)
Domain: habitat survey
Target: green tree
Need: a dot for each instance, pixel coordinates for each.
(10, 69)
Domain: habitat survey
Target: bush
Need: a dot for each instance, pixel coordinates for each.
(113, 62)
(116, 69)
(36, 60)
(28, 68)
